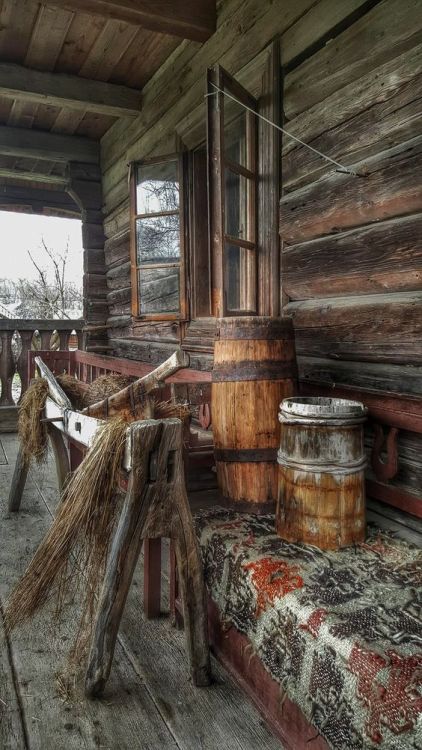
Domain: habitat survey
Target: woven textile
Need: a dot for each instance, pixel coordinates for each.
(340, 631)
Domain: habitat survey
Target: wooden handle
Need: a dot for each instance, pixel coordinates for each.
(55, 391)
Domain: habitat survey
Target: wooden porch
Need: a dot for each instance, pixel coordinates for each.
(149, 702)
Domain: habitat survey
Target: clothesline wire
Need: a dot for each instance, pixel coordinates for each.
(341, 167)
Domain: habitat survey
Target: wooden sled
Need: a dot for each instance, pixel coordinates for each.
(156, 505)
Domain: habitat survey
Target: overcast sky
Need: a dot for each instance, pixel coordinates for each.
(22, 232)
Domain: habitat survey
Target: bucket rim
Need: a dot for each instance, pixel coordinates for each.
(322, 407)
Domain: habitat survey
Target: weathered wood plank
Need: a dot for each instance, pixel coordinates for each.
(405, 379)
(382, 257)
(8, 418)
(338, 202)
(17, 486)
(12, 728)
(34, 144)
(373, 328)
(366, 44)
(192, 20)
(63, 90)
(386, 119)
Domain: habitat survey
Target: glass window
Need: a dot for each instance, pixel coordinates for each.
(232, 143)
(158, 233)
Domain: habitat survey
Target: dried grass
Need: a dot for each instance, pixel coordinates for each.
(76, 546)
(104, 386)
(32, 431)
(74, 389)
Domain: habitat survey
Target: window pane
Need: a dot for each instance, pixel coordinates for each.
(158, 240)
(159, 290)
(238, 196)
(157, 188)
(240, 279)
(235, 132)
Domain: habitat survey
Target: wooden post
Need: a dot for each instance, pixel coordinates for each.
(156, 506)
(61, 455)
(18, 482)
(152, 578)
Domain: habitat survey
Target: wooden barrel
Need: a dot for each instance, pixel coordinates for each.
(254, 367)
(321, 498)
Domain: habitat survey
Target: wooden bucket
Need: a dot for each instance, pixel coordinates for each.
(254, 367)
(321, 498)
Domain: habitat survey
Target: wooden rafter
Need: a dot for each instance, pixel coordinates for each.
(36, 144)
(60, 90)
(27, 176)
(37, 200)
(190, 19)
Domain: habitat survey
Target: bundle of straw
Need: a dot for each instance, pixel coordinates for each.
(32, 431)
(82, 530)
(74, 389)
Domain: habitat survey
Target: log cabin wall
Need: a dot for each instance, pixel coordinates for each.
(352, 248)
(173, 118)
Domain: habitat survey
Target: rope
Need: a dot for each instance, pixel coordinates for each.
(341, 167)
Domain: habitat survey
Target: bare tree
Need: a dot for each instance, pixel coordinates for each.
(49, 295)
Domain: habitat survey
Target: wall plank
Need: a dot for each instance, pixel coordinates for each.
(379, 125)
(381, 257)
(405, 379)
(374, 328)
(390, 28)
(337, 202)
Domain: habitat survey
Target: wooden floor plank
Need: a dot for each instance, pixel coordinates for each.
(12, 732)
(149, 701)
(127, 719)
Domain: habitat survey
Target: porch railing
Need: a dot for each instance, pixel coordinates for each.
(18, 337)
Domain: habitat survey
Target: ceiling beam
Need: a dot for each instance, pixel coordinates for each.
(189, 19)
(36, 144)
(37, 200)
(28, 176)
(61, 90)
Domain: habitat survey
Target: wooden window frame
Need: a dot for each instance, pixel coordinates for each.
(217, 163)
(134, 267)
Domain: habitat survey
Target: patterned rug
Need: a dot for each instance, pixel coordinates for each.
(340, 631)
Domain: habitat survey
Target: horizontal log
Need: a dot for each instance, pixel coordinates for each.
(59, 181)
(377, 126)
(118, 277)
(36, 144)
(365, 45)
(382, 257)
(373, 328)
(93, 235)
(402, 379)
(387, 188)
(37, 200)
(94, 260)
(62, 90)
(119, 296)
(34, 324)
(117, 248)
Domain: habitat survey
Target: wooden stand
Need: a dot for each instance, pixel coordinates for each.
(156, 506)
